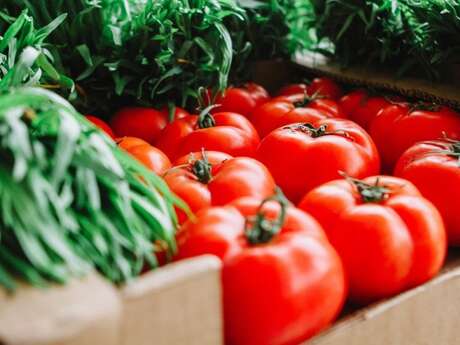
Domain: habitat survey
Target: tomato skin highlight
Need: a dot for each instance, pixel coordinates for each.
(396, 128)
(278, 113)
(214, 157)
(436, 174)
(300, 162)
(326, 106)
(362, 108)
(282, 292)
(153, 158)
(101, 124)
(232, 134)
(241, 100)
(293, 89)
(386, 246)
(231, 179)
(325, 87)
(143, 123)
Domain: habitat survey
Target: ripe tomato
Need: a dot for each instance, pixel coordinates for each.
(226, 132)
(202, 183)
(398, 127)
(362, 108)
(433, 167)
(282, 280)
(324, 105)
(101, 124)
(241, 100)
(277, 113)
(325, 87)
(303, 156)
(213, 157)
(389, 237)
(293, 89)
(143, 123)
(150, 156)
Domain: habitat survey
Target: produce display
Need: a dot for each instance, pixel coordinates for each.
(133, 135)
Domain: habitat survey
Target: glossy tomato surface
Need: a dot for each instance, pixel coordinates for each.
(433, 167)
(281, 292)
(241, 100)
(230, 133)
(101, 124)
(303, 156)
(326, 106)
(293, 89)
(143, 123)
(153, 158)
(202, 183)
(278, 113)
(362, 108)
(389, 237)
(398, 127)
(325, 87)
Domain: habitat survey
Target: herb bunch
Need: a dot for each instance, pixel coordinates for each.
(410, 37)
(70, 199)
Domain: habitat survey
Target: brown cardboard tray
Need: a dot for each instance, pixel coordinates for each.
(179, 303)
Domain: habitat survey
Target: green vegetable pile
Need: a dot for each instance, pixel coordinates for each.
(72, 200)
(151, 52)
(408, 37)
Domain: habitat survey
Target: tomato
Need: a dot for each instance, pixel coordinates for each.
(226, 132)
(202, 183)
(150, 156)
(325, 87)
(324, 105)
(143, 123)
(241, 100)
(293, 89)
(389, 237)
(433, 167)
(213, 157)
(362, 108)
(101, 124)
(282, 281)
(179, 113)
(277, 113)
(398, 127)
(303, 156)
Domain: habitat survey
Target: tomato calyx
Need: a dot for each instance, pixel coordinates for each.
(307, 99)
(202, 169)
(259, 229)
(316, 132)
(369, 193)
(424, 106)
(205, 119)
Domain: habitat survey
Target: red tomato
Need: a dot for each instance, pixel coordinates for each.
(150, 156)
(303, 156)
(324, 105)
(282, 282)
(213, 157)
(433, 167)
(362, 108)
(202, 183)
(179, 113)
(143, 123)
(397, 127)
(293, 89)
(278, 113)
(241, 100)
(226, 132)
(389, 237)
(325, 87)
(101, 124)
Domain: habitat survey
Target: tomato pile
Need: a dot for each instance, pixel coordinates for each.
(310, 198)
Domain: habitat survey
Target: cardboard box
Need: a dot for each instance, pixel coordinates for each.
(179, 303)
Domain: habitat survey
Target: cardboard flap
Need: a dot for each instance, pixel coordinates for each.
(411, 87)
(83, 312)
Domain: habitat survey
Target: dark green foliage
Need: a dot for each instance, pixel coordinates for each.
(413, 37)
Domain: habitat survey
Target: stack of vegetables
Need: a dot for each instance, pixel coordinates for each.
(408, 37)
(286, 189)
